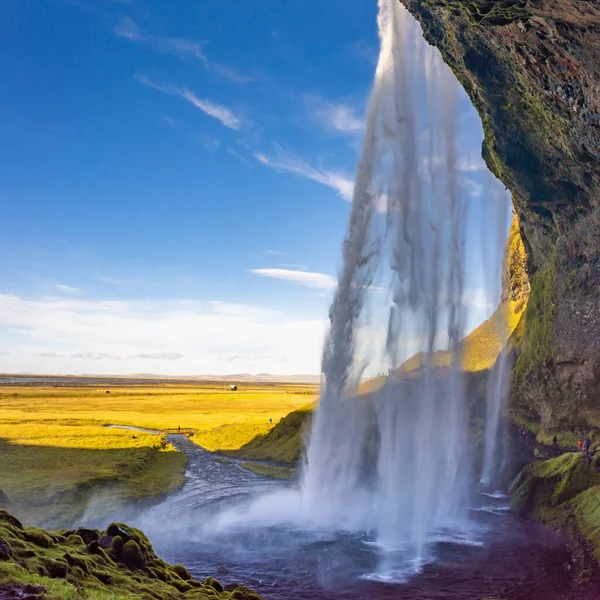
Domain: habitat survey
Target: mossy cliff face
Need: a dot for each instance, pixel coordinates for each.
(86, 564)
(532, 70)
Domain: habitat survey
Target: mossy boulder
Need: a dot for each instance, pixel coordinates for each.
(181, 571)
(132, 555)
(38, 537)
(68, 567)
(6, 517)
(56, 568)
(563, 492)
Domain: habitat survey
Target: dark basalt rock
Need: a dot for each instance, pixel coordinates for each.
(532, 70)
(105, 541)
(5, 550)
(87, 535)
(22, 592)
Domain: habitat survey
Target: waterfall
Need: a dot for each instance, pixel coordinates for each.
(393, 458)
(494, 454)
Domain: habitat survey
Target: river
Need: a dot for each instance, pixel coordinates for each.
(218, 526)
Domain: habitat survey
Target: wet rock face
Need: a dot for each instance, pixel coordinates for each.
(532, 70)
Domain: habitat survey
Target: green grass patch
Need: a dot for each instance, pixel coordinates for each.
(283, 443)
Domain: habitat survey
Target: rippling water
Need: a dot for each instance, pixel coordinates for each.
(219, 526)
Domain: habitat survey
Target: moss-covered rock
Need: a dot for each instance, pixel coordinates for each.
(131, 555)
(69, 569)
(563, 492)
(38, 537)
(181, 571)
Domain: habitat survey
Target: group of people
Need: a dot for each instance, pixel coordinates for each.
(583, 446)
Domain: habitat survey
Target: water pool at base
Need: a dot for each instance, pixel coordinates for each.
(217, 528)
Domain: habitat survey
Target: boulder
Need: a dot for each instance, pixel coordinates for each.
(5, 550)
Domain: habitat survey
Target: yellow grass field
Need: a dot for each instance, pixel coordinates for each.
(57, 456)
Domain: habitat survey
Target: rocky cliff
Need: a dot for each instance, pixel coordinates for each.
(532, 70)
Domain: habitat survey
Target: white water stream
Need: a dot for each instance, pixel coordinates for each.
(395, 461)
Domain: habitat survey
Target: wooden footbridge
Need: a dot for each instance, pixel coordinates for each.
(179, 431)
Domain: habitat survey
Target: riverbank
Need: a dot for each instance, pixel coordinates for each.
(61, 464)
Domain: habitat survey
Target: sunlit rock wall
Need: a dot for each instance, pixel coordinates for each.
(532, 70)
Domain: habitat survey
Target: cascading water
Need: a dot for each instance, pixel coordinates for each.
(394, 461)
(497, 397)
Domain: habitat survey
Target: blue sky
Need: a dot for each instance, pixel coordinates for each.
(176, 181)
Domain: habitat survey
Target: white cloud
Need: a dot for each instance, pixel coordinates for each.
(471, 163)
(338, 117)
(127, 29)
(472, 188)
(305, 278)
(66, 289)
(223, 114)
(179, 337)
(230, 73)
(289, 164)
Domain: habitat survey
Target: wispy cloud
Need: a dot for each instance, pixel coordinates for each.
(274, 252)
(127, 29)
(110, 280)
(66, 289)
(471, 163)
(223, 114)
(289, 164)
(305, 278)
(294, 266)
(139, 355)
(337, 117)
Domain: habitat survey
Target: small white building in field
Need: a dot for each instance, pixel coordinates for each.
(233, 388)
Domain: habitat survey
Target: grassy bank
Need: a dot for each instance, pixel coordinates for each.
(283, 443)
(59, 460)
(116, 564)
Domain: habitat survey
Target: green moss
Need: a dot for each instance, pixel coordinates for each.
(556, 490)
(587, 514)
(497, 13)
(537, 346)
(38, 536)
(69, 570)
(181, 571)
(131, 555)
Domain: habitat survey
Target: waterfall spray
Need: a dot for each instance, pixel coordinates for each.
(393, 460)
